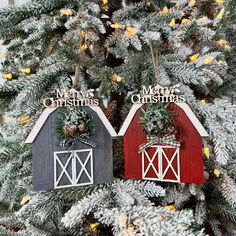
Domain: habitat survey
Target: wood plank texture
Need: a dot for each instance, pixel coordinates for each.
(46, 143)
(191, 163)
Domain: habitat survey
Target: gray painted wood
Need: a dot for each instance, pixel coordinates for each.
(46, 143)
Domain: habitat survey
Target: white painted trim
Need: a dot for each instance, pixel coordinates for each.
(39, 124)
(150, 164)
(42, 119)
(160, 155)
(73, 158)
(162, 180)
(197, 124)
(169, 164)
(184, 106)
(128, 119)
(178, 164)
(83, 166)
(63, 167)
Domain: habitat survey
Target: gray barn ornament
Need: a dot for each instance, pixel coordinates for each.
(55, 167)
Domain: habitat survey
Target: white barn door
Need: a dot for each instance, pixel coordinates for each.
(161, 163)
(73, 168)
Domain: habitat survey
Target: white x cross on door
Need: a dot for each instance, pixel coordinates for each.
(161, 164)
(83, 167)
(73, 168)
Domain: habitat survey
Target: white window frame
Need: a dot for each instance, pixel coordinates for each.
(73, 157)
(160, 173)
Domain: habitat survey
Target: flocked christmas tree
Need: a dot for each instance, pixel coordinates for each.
(116, 47)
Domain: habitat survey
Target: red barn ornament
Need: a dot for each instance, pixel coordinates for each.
(165, 162)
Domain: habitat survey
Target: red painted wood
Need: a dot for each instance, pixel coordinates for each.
(169, 174)
(191, 163)
(133, 137)
(151, 173)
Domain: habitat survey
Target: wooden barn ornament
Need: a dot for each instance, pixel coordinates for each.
(165, 162)
(54, 166)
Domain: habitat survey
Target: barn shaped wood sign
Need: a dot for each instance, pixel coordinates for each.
(164, 161)
(79, 164)
(90, 161)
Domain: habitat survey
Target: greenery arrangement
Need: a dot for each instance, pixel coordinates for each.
(74, 122)
(156, 119)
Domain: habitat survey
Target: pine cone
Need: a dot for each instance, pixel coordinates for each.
(83, 128)
(110, 111)
(69, 131)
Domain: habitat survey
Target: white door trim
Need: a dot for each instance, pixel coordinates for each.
(73, 157)
(161, 172)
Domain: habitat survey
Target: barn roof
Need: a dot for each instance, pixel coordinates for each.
(44, 116)
(184, 106)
